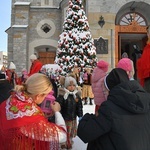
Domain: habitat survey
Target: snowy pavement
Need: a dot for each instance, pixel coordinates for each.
(78, 144)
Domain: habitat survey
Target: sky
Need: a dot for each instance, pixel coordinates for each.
(5, 21)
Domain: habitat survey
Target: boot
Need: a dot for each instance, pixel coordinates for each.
(91, 101)
(85, 101)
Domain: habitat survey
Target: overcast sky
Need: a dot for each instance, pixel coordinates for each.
(5, 16)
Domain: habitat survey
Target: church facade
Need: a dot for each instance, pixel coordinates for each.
(116, 27)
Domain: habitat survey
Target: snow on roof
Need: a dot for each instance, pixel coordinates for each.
(19, 26)
(22, 3)
(45, 7)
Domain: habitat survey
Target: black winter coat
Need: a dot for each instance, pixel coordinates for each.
(5, 90)
(123, 122)
(70, 109)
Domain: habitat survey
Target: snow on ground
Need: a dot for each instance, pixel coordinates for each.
(78, 144)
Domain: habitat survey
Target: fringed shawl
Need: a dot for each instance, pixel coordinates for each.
(24, 127)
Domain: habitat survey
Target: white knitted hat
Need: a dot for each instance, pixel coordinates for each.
(12, 66)
(33, 57)
(69, 81)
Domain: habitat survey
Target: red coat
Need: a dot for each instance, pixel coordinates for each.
(35, 67)
(12, 77)
(143, 65)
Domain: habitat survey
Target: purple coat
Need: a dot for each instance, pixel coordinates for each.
(98, 87)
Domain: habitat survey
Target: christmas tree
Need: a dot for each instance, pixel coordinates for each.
(75, 46)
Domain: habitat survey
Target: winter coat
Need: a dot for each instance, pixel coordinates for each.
(12, 77)
(143, 65)
(35, 67)
(123, 122)
(87, 79)
(70, 109)
(98, 85)
(5, 89)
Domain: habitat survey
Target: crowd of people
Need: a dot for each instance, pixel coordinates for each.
(38, 114)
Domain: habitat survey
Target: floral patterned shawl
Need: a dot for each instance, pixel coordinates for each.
(24, 127)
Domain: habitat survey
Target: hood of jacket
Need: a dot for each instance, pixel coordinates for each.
(130, 96)
(5, 89)
(97, 74)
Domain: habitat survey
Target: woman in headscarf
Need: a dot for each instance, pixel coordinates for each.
(22, 122)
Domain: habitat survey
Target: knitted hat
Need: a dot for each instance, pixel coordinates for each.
(33, 57)
(115, 77)
(125, 64)
(103, 65)
(124, 55)
(12, 66)
(70, 81)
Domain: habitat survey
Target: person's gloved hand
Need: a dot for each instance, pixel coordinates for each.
(80, 118)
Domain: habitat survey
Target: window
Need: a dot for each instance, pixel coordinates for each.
(46, 28)
(132, 16)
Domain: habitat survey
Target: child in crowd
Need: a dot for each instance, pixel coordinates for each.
(98, 87)
(12, 75)
(24, 76)
(87, 88)
(126, 64)
(71, 107)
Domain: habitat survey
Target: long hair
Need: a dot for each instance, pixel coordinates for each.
(36, 84)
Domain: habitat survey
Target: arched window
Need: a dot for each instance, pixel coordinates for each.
(130, 17)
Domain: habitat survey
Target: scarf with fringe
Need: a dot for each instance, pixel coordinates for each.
(24, 127)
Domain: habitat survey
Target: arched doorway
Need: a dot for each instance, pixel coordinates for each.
(47, 57)
(130, 30)
(46, 54)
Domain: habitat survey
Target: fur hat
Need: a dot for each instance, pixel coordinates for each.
(69, 81)
(12, 66)
(125, 64)
(103, 65)
(115, 77)
(33, 57)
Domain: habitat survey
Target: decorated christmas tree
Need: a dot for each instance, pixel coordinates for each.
(75, 46)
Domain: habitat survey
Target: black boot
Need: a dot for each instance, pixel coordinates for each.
(91, 101)
(85, 101)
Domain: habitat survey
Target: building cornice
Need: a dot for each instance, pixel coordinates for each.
(22, 3)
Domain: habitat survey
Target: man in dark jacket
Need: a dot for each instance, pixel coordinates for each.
(123, 122)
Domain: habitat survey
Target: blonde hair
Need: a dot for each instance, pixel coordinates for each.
(62, 80)
(36, 84)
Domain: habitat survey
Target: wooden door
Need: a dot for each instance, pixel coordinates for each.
(47, 57)
(134, 28)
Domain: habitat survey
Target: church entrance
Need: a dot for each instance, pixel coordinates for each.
(47, 57)
(131, 37)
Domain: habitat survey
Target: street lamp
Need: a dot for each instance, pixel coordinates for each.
(101, 21)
